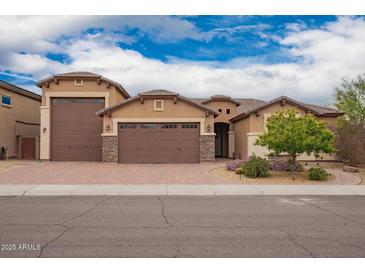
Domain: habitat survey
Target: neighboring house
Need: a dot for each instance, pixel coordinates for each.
(85, 116)
(19, 122)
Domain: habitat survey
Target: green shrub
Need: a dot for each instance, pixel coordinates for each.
(317, 174)
(256, 167)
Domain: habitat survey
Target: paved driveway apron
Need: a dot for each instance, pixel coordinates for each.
(112, 173)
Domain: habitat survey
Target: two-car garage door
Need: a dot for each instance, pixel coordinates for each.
(76, 136)
(158, 143)
(76, 129)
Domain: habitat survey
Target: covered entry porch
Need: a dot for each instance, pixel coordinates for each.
(224, 140)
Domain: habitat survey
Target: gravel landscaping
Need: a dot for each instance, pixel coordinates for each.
(337, 176)
(276, 177)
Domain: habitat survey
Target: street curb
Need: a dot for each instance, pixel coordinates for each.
(179, 190)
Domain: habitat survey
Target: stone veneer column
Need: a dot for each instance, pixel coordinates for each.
(207, 147)
(110, 148)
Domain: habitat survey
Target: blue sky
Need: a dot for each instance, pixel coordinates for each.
(303, 57)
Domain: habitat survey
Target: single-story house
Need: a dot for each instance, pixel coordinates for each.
(85, 116)
(19, 122)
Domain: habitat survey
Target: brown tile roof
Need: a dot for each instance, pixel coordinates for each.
(322, 109)
(19, 90)
(318, 110)
(244, 103)
(219, 97)
(159, 92)
(84, 74)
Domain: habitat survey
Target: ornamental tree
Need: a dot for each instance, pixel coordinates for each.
(289, 133)
(350, 98)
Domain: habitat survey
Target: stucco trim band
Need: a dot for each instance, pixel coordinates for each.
(158, 120)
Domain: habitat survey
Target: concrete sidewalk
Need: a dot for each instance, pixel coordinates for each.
(179, 190)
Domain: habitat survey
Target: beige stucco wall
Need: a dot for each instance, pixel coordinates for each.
(67, 88)
(248, 129)
(257, 123)
(138, 112)
(23, 109)
(223, 105)
(331, 121)
(241, 128)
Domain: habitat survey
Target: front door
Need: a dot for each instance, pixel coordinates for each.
(221, 139)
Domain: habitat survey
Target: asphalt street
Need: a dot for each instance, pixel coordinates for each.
(184, 226)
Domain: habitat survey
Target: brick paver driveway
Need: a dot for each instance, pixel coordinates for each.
(112, 173)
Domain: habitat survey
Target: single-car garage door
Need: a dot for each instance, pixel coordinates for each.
(159, 143)
(76, 129)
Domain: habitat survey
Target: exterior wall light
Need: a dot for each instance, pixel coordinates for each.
(209, 128)
(107, 127)
(44, 130)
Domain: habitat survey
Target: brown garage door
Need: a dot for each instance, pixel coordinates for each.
(76, 129)
(159, 143)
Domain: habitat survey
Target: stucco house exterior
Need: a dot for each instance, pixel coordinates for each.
(19, 122)
(85, 116)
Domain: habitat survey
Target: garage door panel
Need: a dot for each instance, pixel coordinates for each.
(159, 145)
(76, 129)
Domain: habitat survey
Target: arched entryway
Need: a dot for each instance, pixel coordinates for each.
(221, 139)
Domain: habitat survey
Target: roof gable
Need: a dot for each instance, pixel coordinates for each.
(317, 110)
(83, 75)
(156, 94)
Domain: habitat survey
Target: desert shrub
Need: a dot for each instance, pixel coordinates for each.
(317, 174)
(233, 165)
(279, 165)
(239, 171)
(284, 165)
(256, 167)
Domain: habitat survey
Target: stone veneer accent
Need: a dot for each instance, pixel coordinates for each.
(207, 147)
(109, 148)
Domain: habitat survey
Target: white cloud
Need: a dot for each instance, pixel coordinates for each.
(36, 34)
(325, 55)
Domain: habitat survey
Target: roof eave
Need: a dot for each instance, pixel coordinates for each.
(60, 76)
(21, 91)
(132, 99)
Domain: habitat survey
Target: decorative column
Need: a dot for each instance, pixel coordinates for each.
(231, 143)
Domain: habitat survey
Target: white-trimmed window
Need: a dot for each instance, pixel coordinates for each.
(158, 105)
(78, 82)
(6, 100)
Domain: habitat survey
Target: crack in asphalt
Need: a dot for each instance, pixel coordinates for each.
(167, 222)
(328, 210)
(177, 244)
(89, 210)
(68, 228)
(332, 240)
(292, 238)
(163, 211)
